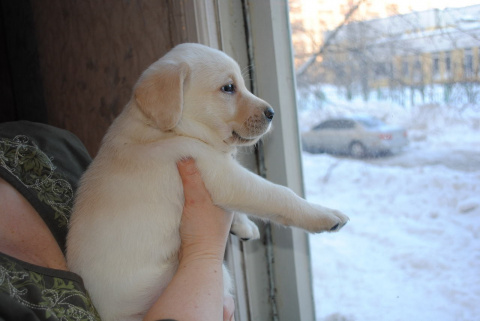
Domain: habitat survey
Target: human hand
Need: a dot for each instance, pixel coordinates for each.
(228, 308)
(196, 290)
(204, 227)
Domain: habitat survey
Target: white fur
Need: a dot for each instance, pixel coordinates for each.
(123, 237)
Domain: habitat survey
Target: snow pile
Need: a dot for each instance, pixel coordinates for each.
(412, 248)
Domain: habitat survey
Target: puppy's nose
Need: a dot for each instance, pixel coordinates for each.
(268, 112)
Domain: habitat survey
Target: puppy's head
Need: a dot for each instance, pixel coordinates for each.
(199, 92)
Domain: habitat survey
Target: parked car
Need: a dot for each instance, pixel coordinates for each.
(357, 136)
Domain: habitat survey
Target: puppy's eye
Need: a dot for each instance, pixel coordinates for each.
(230, 88)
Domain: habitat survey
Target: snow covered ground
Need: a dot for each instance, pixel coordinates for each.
(412, 248)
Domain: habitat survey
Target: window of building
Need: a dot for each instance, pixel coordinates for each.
(435, 66)
(448, 64)
(478, 63)
(405, 68)
(417, 71)
(468, 63)
(380, 70)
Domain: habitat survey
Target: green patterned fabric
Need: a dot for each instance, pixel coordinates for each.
(31, 167)
(45, 165)
(49, 294)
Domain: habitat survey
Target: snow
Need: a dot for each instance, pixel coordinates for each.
(411, 250)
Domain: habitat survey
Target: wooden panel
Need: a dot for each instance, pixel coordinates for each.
(7, 106)
(92, 52)
(20, 80)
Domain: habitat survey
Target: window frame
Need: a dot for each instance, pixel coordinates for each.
(272, 275)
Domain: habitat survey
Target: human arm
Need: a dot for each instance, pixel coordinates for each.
(196, 290)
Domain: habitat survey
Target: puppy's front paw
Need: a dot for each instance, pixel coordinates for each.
(244, 228)
(327, 219)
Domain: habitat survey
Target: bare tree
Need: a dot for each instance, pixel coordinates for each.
(302, 69)
(395, 56)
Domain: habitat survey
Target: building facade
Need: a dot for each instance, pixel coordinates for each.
(410, 50)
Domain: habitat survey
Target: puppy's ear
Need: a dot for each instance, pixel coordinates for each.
(159, 93)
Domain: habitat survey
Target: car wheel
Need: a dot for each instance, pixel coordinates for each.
(306, 148)
(311, 149)
(357, 150)
(317, 150)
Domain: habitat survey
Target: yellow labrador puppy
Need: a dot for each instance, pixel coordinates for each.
(123, 237)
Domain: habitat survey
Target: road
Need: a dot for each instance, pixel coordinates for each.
(456, 159)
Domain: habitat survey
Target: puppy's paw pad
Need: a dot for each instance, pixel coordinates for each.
(340, 220)
(335, 227)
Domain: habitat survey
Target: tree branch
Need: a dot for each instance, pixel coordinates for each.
(303, 68)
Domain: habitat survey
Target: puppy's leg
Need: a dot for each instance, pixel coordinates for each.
(244, 228)
(235, 188)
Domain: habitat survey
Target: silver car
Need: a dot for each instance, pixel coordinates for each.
(357, 136)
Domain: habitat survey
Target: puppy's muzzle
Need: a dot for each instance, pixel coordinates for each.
(254, 127)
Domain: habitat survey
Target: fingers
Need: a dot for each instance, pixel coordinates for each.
(204, 225)
(187, 168)
(193, 186)
(228, 308)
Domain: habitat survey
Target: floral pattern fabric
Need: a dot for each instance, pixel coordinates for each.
(35, 170)
(61, 297)
(50, 294)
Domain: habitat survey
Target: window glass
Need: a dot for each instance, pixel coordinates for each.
(370, 122)
(408, 72)
(448, 64)
(468, 63)
(405, 68)
(344, 124)
(325, 125)
(436, 66)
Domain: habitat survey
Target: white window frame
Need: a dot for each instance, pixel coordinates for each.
(272, 275)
